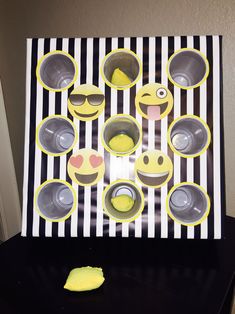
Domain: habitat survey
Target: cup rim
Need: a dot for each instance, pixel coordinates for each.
(39, 143)
(189, 116)
(202, 55)
(40, 187)
(116, 51)
(119, 154)
(43, 58)
(124, 181)
(199, 221)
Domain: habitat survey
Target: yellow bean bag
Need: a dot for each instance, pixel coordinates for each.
(121, 143)
(119, 78)
(122, 203)
(84, 279)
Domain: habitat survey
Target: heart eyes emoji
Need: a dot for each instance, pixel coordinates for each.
(77, 161)
(95, 161)
(86, 167)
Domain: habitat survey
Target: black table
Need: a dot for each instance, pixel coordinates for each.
(142, 276)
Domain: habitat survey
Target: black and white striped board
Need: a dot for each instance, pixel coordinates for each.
(206, 170)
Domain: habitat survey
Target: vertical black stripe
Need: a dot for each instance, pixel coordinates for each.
(120, 92)
(82, 136)
(120, 101)
(59, 44)
(196, 101)
(169, 151)
(132, 113)
(83, 61)
(183, 161)
(158, 78)
(45, 111)
(67, 225)
(144, 82)
(95, 81)
(210, 159)
(95, 135)
(120, 105)
(133, 88)
(71, 52)
(32, 126)
(106, 154)
(145, 133)
(120, 42)
(57, 159)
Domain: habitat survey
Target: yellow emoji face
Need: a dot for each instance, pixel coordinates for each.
(86, 102)
(86, 167)
(154, 101)
(153, 168)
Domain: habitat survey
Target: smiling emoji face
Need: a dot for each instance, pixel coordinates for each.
(154, 101)
(86, 167)
(153, 168)
(86, 102)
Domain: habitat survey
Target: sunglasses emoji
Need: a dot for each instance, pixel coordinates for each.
(86, 102)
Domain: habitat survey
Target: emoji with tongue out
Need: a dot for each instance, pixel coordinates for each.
(86, 167)
(153, 168)
(154, 101)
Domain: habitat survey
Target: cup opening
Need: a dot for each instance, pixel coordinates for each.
(118, 189)
(55, 200)
(187, 68)
(189, 136)
(126, 64)
(57, 71)
(121, 125)
(56, 135)
(188, 204)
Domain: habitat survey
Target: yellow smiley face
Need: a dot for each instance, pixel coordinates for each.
(86, 167)
(86, 102)
(153, 168)
(154, 101)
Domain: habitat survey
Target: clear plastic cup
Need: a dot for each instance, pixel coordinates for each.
(189, 136)
(126, 61)
(123, 187)
(55, 200)
(188, 68)
(57, 71)
(121, 124)
(56, 135)
(188, 203)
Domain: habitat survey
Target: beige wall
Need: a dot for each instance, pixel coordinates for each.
(74, 18)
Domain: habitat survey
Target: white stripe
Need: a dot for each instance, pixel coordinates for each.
(74, 216)
(139, 50)
(38, 153)
(164, 126)
(203, 158)
(216, 137)
(151, 142)
(88, 141)
(87, 211)
(100, 185)
(26, 143)
(190, 161)
(125, 160)
(177, 109)
(152, 47)
(113, 170)
(50, 159)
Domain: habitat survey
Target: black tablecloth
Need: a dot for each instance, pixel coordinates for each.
(142, 276)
